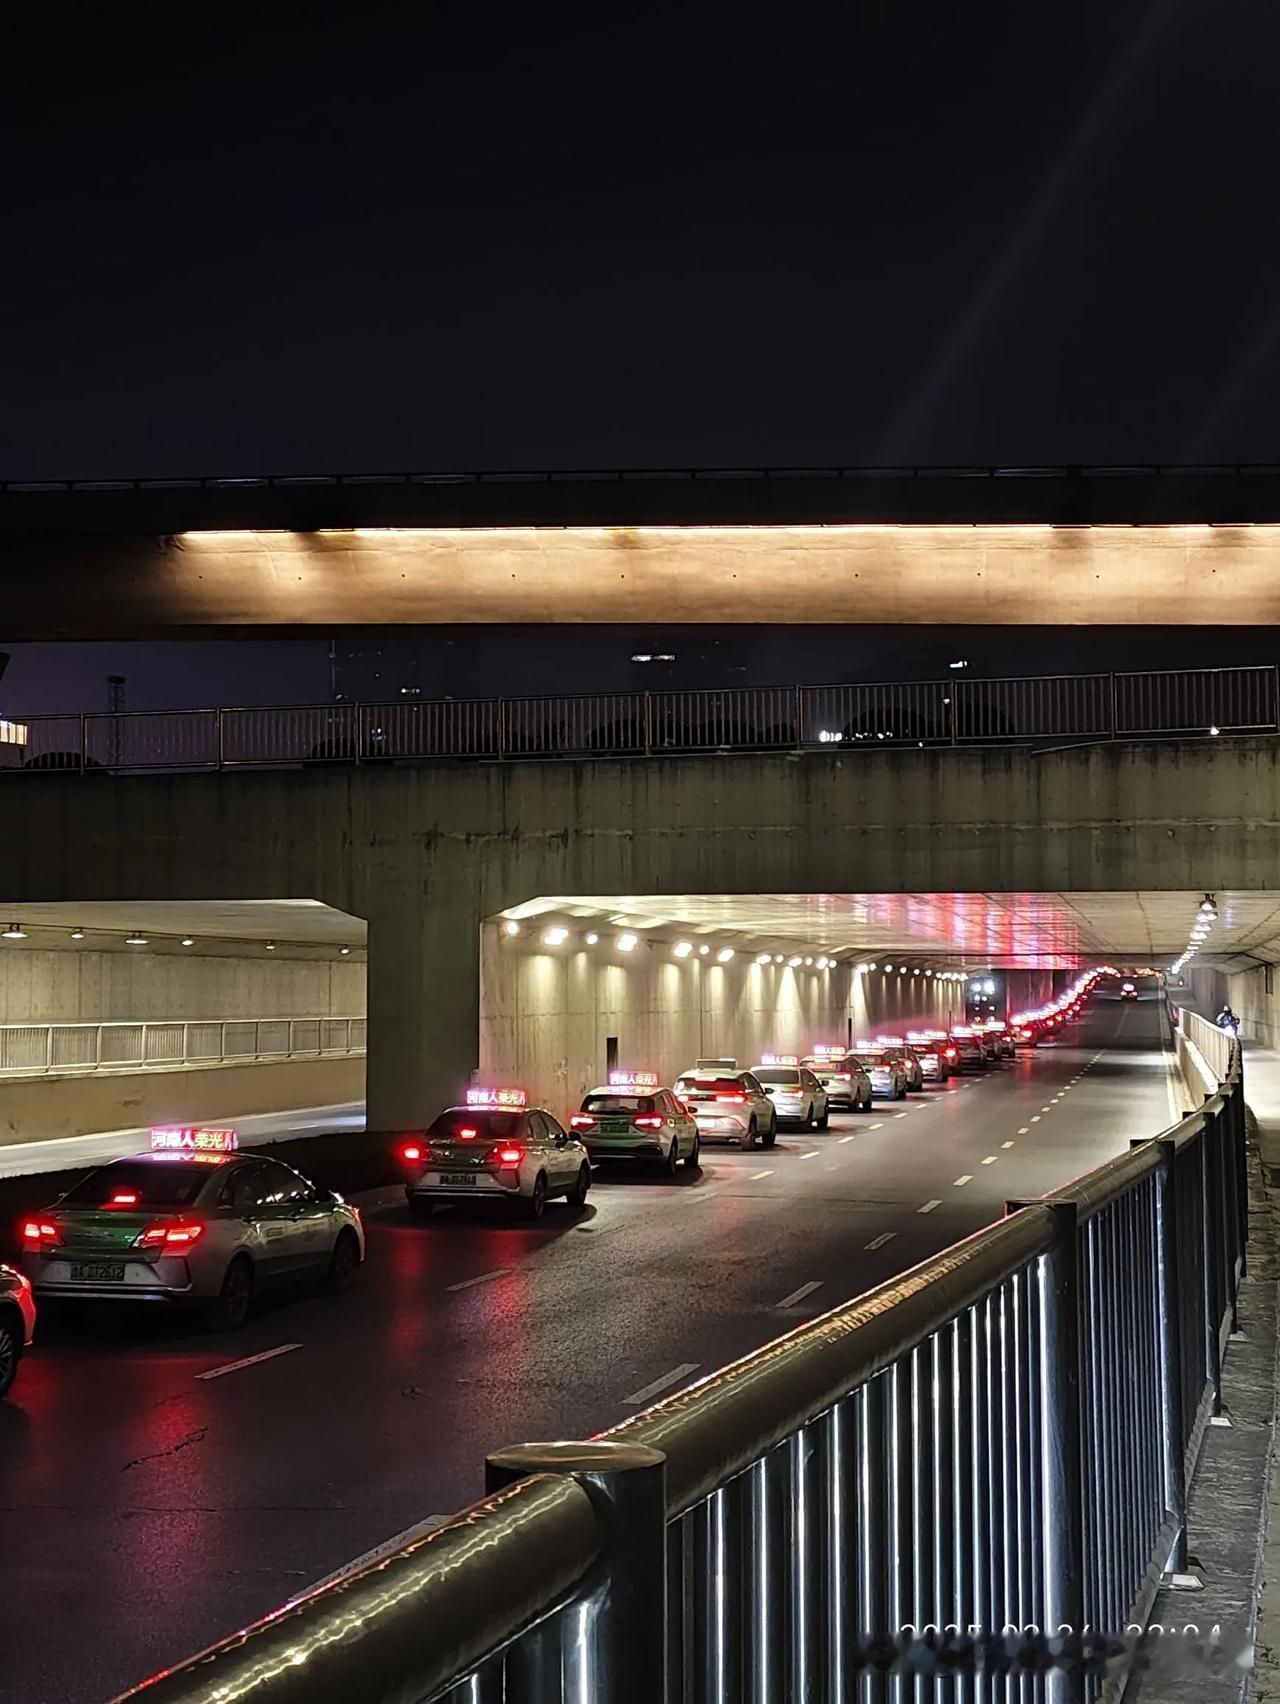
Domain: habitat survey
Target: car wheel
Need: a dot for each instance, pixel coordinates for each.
(900, 1094)
(231, 1309)
(824, 1123)
(751, 1134)
(863, 1105)
(10, 1352)
(344, 1263)
(419, 1208)
(809, 1120)
(536, 1205)
(693, 1160)
(671, 1164)
(577, 1196)
(771, 1134)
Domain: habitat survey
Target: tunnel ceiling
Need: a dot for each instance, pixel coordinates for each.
(963, 928)
(215, 924)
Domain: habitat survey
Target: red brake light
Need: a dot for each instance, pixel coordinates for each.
(649, 1121)
(413, 1152)
(38, 1234)
(950, 1052)
(175, 1238)
(581, 1120)
(509, 1156)
(124, 1198)
(466, 1133)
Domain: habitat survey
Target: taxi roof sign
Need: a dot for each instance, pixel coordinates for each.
(510, 1100)
(633, 1079)
(779, 1059)
(193, 1139)
(829, 1049)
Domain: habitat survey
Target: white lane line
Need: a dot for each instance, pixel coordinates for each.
(928, 1207)
(419, 1529)
(484, 1278)
(881, 1240)
(1024, 1129)
(852, 1138)
(663, 1383)
(965, 1177)
(800, 1294)
(1035, 1118)
(248, 1361)
(899, 1115)
(877, 1125)
(991, 1159)
(1048, 1108)
(1007, 1144)
(756, 1176)
(812, 1154)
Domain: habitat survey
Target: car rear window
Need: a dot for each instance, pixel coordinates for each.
(710, 1086)
(618, 1103)
(464, 1125)
(155, 1183)
(870, 1058)
(778, 1075)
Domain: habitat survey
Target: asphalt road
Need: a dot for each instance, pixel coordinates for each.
(147, 1509)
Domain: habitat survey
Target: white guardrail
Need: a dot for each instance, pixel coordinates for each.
(1204, 1052)
(38, 1050)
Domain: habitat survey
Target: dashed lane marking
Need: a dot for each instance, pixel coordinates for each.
(928, 1207)
(965, 1177)
(812, 1154)
(877, 1125)
(420, 1529)
(484, 1278)
(853, 1138)
(663, 1382)
(248, 1361)
(881, 1240)
(1024, 1129)
(1007, 1144)
(990, 1159)
(1035, 1118)
(800, 1294)
(756, 1176)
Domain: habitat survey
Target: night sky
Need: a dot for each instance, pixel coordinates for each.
(977, 234)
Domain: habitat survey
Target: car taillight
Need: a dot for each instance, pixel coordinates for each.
(732, 1100)
(466, 1133)
(124, 1198)
(582, 1120)
(649, 1121)
(175, 1239)
(508, 1156)
(415, 1153)
(951, 1052)
(38, 1234)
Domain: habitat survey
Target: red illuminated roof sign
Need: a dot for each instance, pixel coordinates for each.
(633, 1079)
(508, 1100)
(193, 1139)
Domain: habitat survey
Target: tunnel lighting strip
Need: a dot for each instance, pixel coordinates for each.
(1202, 924)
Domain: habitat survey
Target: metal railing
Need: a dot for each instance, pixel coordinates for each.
(964, 1485)
(1147, 705)
(38, 1050)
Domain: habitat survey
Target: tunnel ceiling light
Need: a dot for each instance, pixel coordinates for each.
(703, 950)
(626, 942)
(511, 927)
(137, 939)
(188, 941)
(872, 967)
(344, 951)
(15, 932)
(778, 958)
(916, 971)
(271, 946)
(795, 960)
(725, 954)
(591, 937)
(555, 936)
(808, 959)
(764, 958)
(1214, 729)
(682, 949)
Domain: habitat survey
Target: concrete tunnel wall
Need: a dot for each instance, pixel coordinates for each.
(69, 987)
(424, 853)
(546, 1015)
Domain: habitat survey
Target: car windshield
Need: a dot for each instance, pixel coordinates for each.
(463, 1124)
(778, 1075)
(154, 1183)
(709, 1086)
(618, 1103)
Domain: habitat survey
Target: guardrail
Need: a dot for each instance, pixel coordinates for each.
(37, 1050)
(965, 1484)
(1127, 706)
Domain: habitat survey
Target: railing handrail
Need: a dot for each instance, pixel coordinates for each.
(34, 1045)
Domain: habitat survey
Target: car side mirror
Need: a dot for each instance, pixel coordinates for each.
(561, 1139)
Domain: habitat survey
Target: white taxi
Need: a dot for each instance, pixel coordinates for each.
(634, 1118)
(495, 1148)
(935, 1052)
(729, 1105)
(797, 1095)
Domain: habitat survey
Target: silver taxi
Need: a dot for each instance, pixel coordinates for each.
(885, 1067)
(496, 1148)
(634, 1118)
(797, 1094)
(840, 1074)
(17, 1323)
(729, 1105)
(190, 1225)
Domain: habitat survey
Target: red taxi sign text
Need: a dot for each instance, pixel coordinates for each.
(829, 1050)
(193, 1139)
(633, 1079)
(779, 1059)
(510, 1100)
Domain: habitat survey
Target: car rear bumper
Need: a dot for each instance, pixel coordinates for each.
(624, 1148)
(721, 1128)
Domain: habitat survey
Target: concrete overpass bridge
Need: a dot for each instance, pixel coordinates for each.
(951, 857)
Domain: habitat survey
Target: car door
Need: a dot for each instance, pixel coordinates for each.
(563, 1159)
(297, 1219)
(681, 1123)
(814, 1089)
(761, 1104)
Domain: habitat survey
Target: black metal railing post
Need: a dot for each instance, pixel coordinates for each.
(610, 1638)
(1169, 1290)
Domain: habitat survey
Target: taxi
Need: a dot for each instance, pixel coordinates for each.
(999, 1033)
(840, 1074)
(635, 1118)
(729, 1105)
(1128, 991)
(971, 1048)
(17, 1323)
(936, 1053)
(191, 1222)
(797, 1095)
(886, 1068)
(897, 1045)
(497, 1148)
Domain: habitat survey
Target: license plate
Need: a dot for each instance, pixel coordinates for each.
(618, 1127)
(91, 1272)
(454, 1179)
